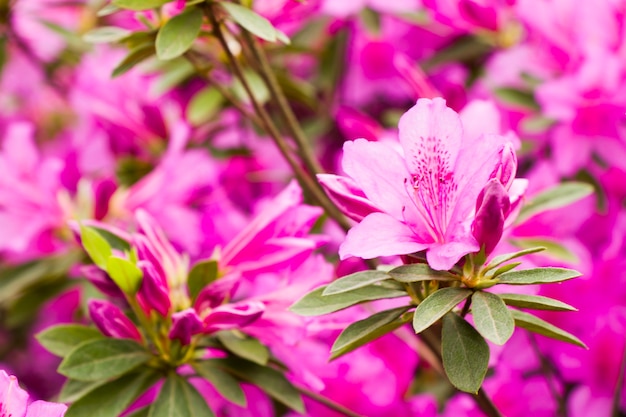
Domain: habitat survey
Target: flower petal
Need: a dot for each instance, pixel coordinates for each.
(347, 196)
(443, 256)
(380, 235)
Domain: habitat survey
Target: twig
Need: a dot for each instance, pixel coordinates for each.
(547, 368)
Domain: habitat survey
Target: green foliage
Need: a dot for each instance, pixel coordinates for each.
(537, 325)
(178, 34)
(536, 302)
(537, 276)
(420, 272)
(492, 318)
(222, 381)
(244, 346)
(112, 398)
(202, 274)
(204, 105)
(106, 34)
(139, 4)
(354, 281)
(364, 331)
(254, 23)
(125, 274)
(269, 380)
(500, 259)
(259, 90)
(62, 339)
(103, 358)
(560, 195)
(436, 305)
(96, 246)
(553, 249)
(315, 304)
(74, 389)
(136, 55)
(465, 354)
(517, 98)
(178, 398)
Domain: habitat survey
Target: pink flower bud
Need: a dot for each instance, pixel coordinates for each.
(101, 280)
(232, 316)
(185, 324)
(492, 208)
(154, 292)
(111, 320)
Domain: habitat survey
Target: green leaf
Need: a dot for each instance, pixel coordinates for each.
(504, 268)
(61, 339)
(536, 302)
(315, 304)
(73, 389)
(245, 347)
(420, 272)
(537, 276)
(135, 56)
(125, 274)
(492, 318)
(556, 197)
(202, 274)
(204, 105)
(553, 249)
(537, 325)
(103, 358)
(106, 34)
(178, 34)
(516, 97)
(251, 21)
(259, 90)
(141, 412)
(364, 331)
(95, 245)
(111, 399)
(355, 281)
(108, 10)
(114, 241)
(436, 305)
(269, 380)
(178, 398)
(222, 381)
(464, 352)
(139, 4)
(500, 259)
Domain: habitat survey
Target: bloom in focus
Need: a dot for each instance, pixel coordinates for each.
(14, 401)
(425, 196)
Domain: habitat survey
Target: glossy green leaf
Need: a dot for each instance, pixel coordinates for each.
(202, 274)
(556, 197)
(125, 274)
(73, 389)
(536, 302)
(103, 358)
(537, 325)
(178, 34)
(139, 4)
(492, 318)
(436, 305)
(62, 339)
(353, 281)
(136, 55)
(204, 105)
(114, 241)
(244, 346)
(269, 380)
(251, 21)
(500, 259)
(95, 245)
(315, 304)
(222, 381)
(364, 331)
(178, 398)
(420, 272)
(106, 34)
(537, 276)
(141, 412)
(111, 399)
(464, 352)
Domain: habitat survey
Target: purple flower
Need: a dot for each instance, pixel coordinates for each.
(233, 316)
(111, 320)
(185, 324)
(14, 401)
(426, 197)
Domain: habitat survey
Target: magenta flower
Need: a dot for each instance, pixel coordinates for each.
(111, 321)
(14, 401)
(426, 198)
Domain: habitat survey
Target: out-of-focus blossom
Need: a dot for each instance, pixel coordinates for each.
(14, 401)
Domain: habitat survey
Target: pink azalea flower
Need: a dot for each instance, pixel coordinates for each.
(427, 196)
(14, 401)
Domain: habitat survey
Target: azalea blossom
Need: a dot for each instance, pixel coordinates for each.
(425, 195)
(14, 401)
